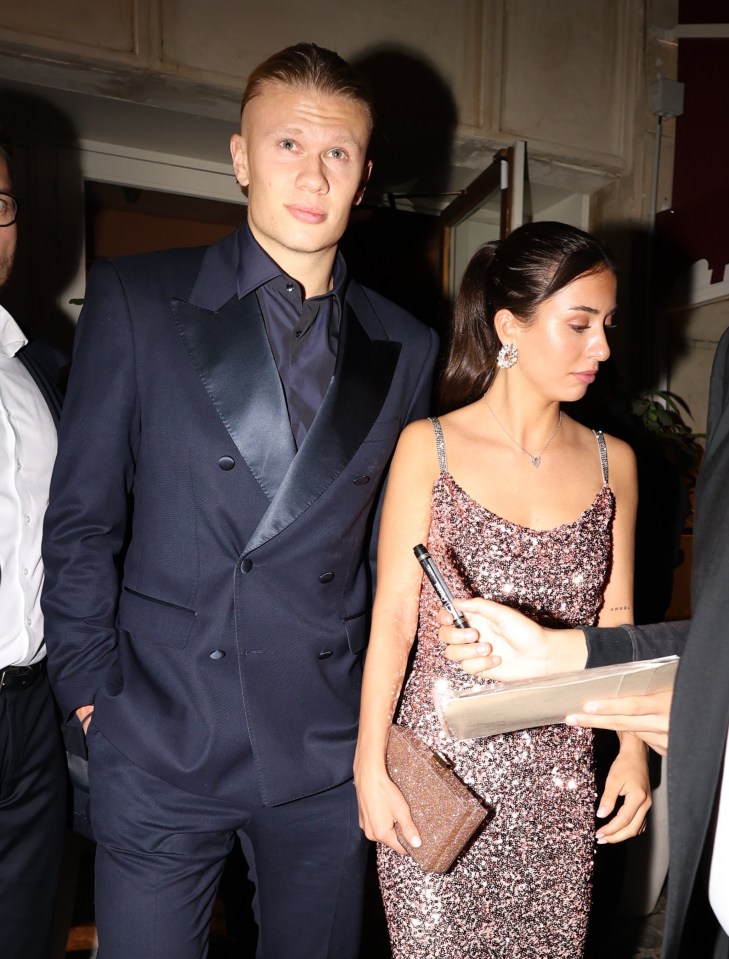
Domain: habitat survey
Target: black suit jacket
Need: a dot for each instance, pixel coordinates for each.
(204, 582)
(700, 711)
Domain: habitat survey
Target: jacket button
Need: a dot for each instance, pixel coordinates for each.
(217, 654)
(324, 654)
(326, 577)
(226, 462)
(246, 565)
(362, 481)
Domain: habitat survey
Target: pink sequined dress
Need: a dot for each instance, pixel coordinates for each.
(522, 889)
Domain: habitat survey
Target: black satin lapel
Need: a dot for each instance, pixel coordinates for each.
(358, 390)
(231, 354)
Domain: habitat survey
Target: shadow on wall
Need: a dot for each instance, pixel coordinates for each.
(416, 122)
(394, 251)
(49, 238)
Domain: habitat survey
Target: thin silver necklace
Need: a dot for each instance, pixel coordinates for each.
(536, 460)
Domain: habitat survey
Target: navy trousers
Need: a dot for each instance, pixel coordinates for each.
(161, 851)
(32, 819)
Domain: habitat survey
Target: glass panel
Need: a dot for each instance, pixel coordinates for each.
(483, 225)
(490, 207)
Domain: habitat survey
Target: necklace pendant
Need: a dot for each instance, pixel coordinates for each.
(536, 460)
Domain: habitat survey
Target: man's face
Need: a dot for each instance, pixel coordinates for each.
(303, 157)
(8, 234)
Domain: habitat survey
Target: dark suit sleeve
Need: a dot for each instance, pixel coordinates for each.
(86, 522)
(623, 644)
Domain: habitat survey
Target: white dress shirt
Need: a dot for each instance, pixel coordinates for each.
(719, 877)
(27, 452)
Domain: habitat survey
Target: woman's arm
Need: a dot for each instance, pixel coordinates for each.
(617, 607)
(628, 776)
(405, 523)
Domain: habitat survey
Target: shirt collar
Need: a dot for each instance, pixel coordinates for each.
(12, 337)
(256, 268)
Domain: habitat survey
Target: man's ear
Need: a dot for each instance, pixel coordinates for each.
(506, 325)
(366, 174)
(239, 155)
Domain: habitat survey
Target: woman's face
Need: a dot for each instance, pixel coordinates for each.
(561, 349)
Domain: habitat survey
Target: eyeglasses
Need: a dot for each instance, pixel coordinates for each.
(8, 209)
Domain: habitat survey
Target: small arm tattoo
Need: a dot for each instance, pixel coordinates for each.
(618, 609)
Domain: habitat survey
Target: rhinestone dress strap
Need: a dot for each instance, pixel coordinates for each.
(440, 444)
(602, 446)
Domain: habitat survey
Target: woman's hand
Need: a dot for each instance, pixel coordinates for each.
(505, 645)
(646, 716)
(381, 805)
(628, 777)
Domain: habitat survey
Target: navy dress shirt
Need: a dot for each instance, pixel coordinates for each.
(303, 333)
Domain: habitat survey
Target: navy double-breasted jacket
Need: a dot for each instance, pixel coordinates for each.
(206, 584)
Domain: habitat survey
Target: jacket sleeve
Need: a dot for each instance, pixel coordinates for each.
(87, 519)
(623, 644)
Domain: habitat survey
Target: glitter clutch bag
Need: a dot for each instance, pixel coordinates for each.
(445, 811)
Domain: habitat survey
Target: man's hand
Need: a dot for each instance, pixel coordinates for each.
(503, 644)
(645, 716)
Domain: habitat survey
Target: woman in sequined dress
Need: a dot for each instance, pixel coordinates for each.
(517, 502)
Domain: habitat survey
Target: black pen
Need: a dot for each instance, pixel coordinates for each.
(439, 585)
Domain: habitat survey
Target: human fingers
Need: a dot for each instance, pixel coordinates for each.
(646, 716)
(654, 735)
(630, 820)
(464, 653)
(627, 779)
(453, 636)
(650, 704)
(379, 813)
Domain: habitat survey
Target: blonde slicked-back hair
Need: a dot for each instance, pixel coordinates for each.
(307, 66)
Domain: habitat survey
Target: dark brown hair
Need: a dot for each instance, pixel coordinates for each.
(305, 65)
(519, 273)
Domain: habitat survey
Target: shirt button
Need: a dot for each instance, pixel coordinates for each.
(226, 462)
(25, 571)
(246, 565)
(27, 519)
(28, 621)
(217, 654)
(362, 481)
(290, 287)
(326, 577)
(324, 654)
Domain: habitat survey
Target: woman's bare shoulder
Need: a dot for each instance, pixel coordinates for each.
(416, 447)
(620, 455)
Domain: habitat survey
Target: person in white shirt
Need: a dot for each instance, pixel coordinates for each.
(32, 768)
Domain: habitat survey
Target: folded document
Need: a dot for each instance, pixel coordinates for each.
(486, 711)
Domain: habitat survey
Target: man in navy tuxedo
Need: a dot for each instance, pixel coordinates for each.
(230, 416)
